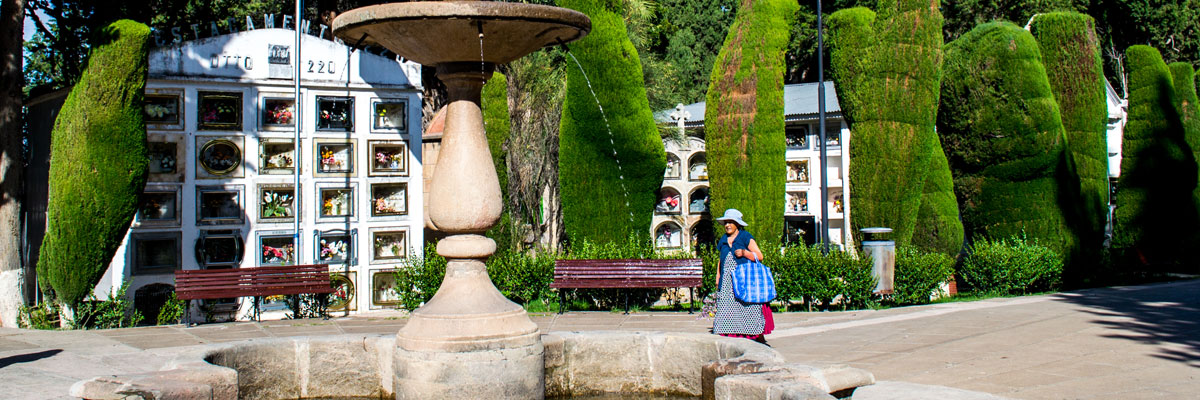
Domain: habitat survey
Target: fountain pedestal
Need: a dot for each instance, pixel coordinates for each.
(468, 341)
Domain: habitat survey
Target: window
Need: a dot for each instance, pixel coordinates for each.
(672, 170)
(276, 248)
(276, 156)
(389, 245)
(335, 246)
(162, 157)
(384, 292)
(219, 157)
(219, 248)
(797, 171)
(668, 201)
(389, 114)
(698, 201)
(668, 235)
(389, 199)
(389, 158)
(162, 111)
(278, 112)
(155, 252)
(158, 206)
(219, 204)
(335, 113)
(796, 203)
(277, 203)
(698, 168)
(797, 137)
(219, 111)
(334, 158)
(342, 298)
(335, 202)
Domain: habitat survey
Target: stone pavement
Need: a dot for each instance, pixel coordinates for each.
(1140, 342)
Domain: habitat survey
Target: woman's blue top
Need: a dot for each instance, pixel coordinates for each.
(742, 241)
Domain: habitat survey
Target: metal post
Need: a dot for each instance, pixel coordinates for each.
(821, 136)
(296, 119)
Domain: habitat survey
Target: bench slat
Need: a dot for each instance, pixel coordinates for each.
(255, 281)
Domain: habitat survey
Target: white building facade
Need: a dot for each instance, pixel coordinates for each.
(221, 118)
(682, 217)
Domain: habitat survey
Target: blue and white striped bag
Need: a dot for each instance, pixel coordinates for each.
(753, 282)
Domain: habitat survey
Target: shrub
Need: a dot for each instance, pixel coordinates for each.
(39, 316)
(172, 311)
(1070, 51)
(1014, 265)
(98, 164)
(1158, 171)
(420, 278)
(919, 275)
(1184, 78)
(804, 273)
(522, 277)
(115, 312)
(1005, 144)
(497, 125)
(611, 157)
(887, 69)
(744, 119)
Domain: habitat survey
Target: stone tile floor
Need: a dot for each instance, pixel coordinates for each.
(1140, 342)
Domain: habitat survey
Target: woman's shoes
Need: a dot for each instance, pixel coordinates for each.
(762, 339)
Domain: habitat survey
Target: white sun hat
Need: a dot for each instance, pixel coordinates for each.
(734, 215)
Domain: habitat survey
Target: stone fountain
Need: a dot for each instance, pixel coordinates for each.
(468, 341)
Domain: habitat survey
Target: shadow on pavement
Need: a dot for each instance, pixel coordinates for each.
(31, 357)
(1164, 316)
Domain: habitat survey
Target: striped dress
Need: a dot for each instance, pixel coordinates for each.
(734, 317)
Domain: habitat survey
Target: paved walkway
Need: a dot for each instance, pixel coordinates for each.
(1138, 342)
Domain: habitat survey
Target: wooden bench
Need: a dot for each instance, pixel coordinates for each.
(627, 274)
(255, 281)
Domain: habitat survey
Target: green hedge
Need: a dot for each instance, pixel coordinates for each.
(744, 119)
(1158, 171)
(1005, 143)
(98, 164)
(1183, 76)
(1070, 51)
(1014, 265)
(803, 273)
(919, 275)
(420, 277)
(609, 179)
(887, 68)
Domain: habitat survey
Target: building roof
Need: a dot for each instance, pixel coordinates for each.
(799, 103)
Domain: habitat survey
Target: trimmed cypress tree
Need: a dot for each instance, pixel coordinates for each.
(98, 164)
(610, 157)
(497, 125)
(744, 117)
(887, 68)
(1184, 78)
(1004, 138)
(1158, 171)
(1071, 54)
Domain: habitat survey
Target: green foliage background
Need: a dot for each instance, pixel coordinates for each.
(1070, 52)
(744, 127)
(887, 68)
(608, 182)
(1183, 76)
(1005, 144)
(98, 164)
(497, 125)
(1158, 170)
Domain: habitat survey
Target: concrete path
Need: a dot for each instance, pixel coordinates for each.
(1138, 342)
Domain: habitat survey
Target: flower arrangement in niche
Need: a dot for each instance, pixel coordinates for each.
(389, 115)
(334, 114)
(156, 111)
(334, 158)
(389, 199)
(277, 204)
(389, 245)
(220, 110)
(281, 160)
(385, 159)
(278, 112)
(278, 255)
(335, 202)
(333, 250)
(220, 157)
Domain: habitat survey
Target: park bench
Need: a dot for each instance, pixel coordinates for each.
(254, 282)
(627, 274)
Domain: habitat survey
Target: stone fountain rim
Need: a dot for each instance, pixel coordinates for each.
(479, 10)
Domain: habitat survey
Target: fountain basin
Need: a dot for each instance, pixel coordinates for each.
(576, 364)
(441, 32)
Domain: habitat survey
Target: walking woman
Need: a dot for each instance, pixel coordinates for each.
(735, 318)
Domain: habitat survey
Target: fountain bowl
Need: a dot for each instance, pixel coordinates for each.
(440, 32)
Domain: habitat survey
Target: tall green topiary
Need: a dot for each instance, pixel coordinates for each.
(1184, 78)
(610, 156)
(744, 117)
(887, 68)
(1071, 54)
(97, 165)
(1004, 138)
(1155, 214)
